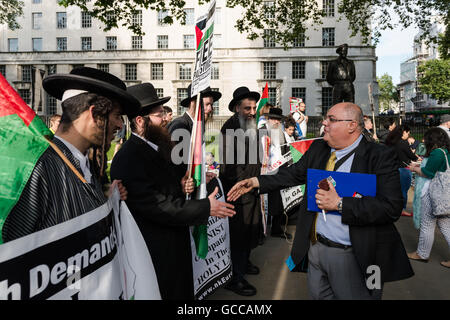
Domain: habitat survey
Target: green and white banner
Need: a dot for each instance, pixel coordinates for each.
(100, 255)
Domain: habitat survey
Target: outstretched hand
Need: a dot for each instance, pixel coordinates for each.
(241, 188)
(219, 208)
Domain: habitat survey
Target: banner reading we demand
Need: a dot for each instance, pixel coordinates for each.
(98, 255)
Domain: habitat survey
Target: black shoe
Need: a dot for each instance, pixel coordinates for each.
(251, 269)
(286, 235)
(242, 288)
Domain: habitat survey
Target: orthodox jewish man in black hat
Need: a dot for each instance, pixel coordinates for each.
(186, 123)
(245, 226)
(156, 196)
(64, 183)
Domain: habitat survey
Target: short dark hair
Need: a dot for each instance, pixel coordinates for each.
(289, 122)
(167, 109)
(388, 122)
(396, 135)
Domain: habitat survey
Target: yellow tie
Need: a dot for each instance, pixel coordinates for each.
(329, 167)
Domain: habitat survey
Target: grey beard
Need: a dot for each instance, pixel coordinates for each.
(247, 123)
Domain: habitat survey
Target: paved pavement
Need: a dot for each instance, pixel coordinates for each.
(275, 282)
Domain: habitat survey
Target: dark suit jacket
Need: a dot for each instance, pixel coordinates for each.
(374, 238)
(158, 205)
(183, 122)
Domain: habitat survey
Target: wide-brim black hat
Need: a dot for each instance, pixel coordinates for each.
(274, 113)
(93, 81)
(242, 93)
(216, 95)
(146, 94)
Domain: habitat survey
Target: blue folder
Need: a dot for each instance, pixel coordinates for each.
(346, 185)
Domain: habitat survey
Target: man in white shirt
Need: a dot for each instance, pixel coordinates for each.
(301, 119)
(445, 123)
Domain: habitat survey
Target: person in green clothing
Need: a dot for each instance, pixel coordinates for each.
(437, 144)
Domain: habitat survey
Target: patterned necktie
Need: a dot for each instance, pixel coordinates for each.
(329, 167)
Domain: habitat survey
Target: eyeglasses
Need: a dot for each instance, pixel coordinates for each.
(333, 120)
(158, 114)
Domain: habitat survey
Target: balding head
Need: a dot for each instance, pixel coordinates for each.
(343, 125)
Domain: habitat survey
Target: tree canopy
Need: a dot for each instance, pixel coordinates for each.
(388, 97)
(287, 18)
(434, 78)
(9, 11)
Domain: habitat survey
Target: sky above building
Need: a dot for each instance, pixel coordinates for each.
(395, 47)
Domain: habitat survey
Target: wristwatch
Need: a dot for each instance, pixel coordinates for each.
(339, 206)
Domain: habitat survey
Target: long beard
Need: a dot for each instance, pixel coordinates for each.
(247, 123)
(161, 137)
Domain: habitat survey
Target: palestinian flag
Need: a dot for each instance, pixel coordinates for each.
(22, 143)
(299, 148)
(263, 101)
(200, 234)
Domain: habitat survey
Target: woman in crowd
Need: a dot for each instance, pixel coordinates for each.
(398, 139)
(437, 145)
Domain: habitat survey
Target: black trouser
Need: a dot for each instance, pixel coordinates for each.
(239, 259)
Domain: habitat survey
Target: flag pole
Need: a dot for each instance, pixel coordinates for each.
(192, 143)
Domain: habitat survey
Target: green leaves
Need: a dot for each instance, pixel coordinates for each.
(434, 79)
(388, 97)
(9, 11)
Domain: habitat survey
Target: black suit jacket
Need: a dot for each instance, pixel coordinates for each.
(163, 215)
(183, 122)
(374, 238)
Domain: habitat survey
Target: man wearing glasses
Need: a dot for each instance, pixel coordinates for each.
(340, 253)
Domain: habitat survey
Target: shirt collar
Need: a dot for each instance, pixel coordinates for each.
(83, 159)
(151, 144)
(341, 153)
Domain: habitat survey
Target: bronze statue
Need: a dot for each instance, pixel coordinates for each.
(341, 74)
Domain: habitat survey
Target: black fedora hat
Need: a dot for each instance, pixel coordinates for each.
(242, 93)
(274, 113)
(146, 94)
(91, 80)
(216, 95)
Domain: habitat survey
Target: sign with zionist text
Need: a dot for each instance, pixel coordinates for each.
(100, 255)
(214, 270)
(204, 30)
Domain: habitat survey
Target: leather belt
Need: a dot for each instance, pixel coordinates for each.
(330, 243)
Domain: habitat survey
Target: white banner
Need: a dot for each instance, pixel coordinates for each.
(204, 30)
(215, 270)
(90, 257)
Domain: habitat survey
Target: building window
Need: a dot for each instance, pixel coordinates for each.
(217, 41)
(13, 44)
(157, 71)
(86, 20)
(37, 20)
(111, 43)
(215, 104)
(161, 15)
(86, 43)
(270, 70)
(61, 20)
(25, 94)
(190, 18)
(37, 44)
(61, 44)
(299, 93)
(137, 18)
(160, 92)
(298, 69)
(188, 41)
(3, 70)
(136, 42)
(51, 69)
(184, 70)
(268, 12)
(51, 105)
(78, 65)
(163, 42)
(269, 38)
(299, 41)
(215, 71)
(182, 94)
(327, 99)
(103, 67)
(328, 37)
(217, 16)
(37, 1)
(131, 72)
(272, 96)
(324, 68)
(27, 73)
(328, 8)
